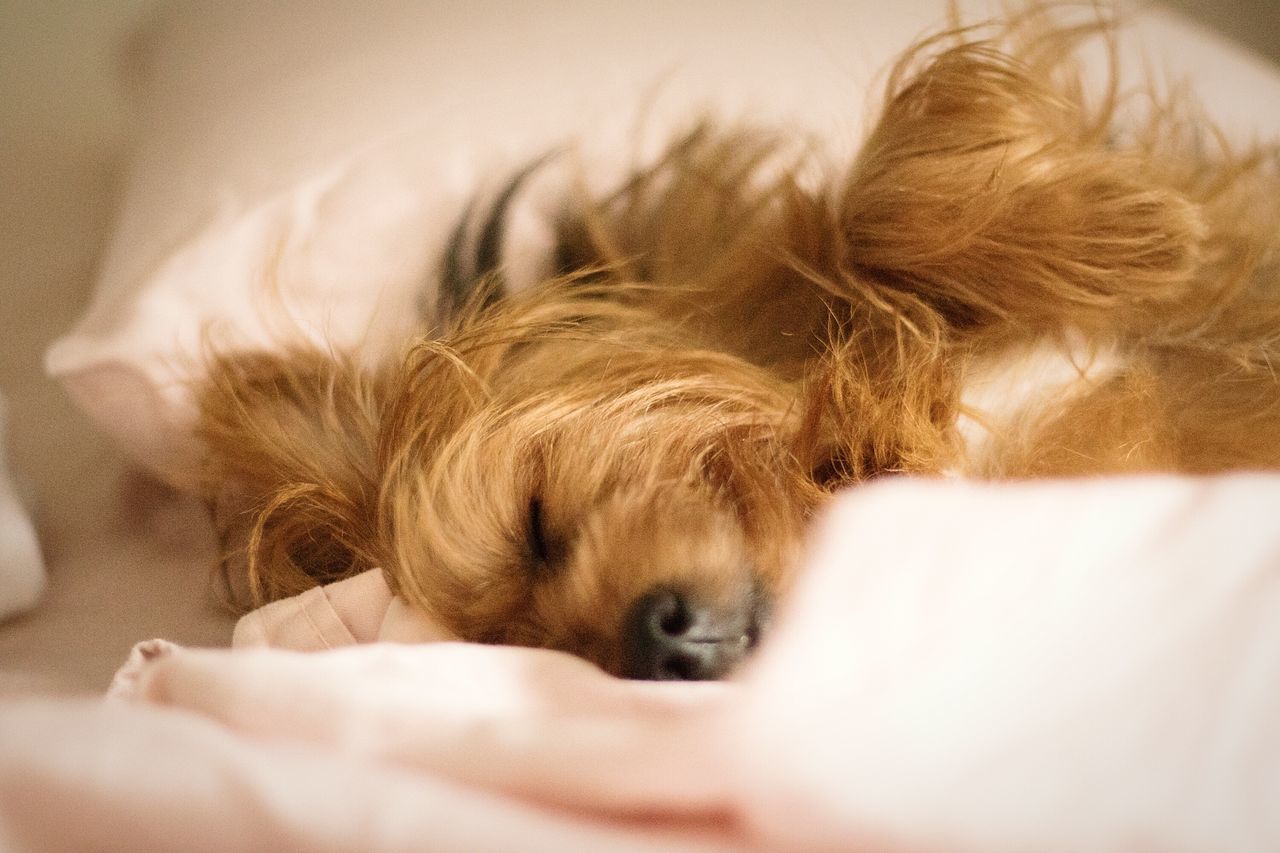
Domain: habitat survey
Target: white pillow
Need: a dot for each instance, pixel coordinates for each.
(302, 164)
(22, 576)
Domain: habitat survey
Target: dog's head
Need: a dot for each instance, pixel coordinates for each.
(559, 471)
(566, 474)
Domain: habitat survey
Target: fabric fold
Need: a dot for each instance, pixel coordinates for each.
(961, 667)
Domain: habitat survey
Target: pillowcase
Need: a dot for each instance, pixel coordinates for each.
(300, 166)
(22, 575)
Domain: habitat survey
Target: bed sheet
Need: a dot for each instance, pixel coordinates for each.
(1056, 667)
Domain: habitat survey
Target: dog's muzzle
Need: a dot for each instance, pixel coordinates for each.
(672, 636)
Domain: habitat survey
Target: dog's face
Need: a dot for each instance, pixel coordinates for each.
(635, 504)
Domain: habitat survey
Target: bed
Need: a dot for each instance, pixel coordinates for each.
(1118, 694)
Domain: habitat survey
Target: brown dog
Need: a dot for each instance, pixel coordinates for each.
(1006, 282)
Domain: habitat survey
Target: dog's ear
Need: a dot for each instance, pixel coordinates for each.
(308, 450)
(291, 442)
(990, 192)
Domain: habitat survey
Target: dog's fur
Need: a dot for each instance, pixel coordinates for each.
(728, 345)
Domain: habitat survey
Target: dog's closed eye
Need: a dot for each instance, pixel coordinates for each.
(539, 544)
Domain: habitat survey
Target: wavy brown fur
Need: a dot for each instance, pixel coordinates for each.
(726, 348)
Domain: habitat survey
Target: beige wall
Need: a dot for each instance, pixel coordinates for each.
(1254, 23)
(52, 53)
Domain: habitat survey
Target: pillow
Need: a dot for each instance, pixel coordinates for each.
(301, 165)
(22, 575)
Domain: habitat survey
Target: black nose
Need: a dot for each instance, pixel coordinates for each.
(669, 636)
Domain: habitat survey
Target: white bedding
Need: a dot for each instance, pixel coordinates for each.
(1051, 667)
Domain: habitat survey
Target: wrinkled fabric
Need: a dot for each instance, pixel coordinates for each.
(1091, 665)
(357, 610)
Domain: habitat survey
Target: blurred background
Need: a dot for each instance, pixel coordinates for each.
(51, 53)
(1253, 23)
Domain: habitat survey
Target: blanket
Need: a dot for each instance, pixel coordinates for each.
(1051, 666)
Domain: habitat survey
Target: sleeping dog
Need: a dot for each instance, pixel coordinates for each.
(1009, 280)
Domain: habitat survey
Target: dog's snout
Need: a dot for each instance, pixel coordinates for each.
(670, 636)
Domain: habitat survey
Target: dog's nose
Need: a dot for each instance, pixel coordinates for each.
(669, 636)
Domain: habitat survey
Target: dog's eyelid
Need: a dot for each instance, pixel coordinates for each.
(537, 531)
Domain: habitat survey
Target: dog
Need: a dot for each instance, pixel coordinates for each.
(1009, 280)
